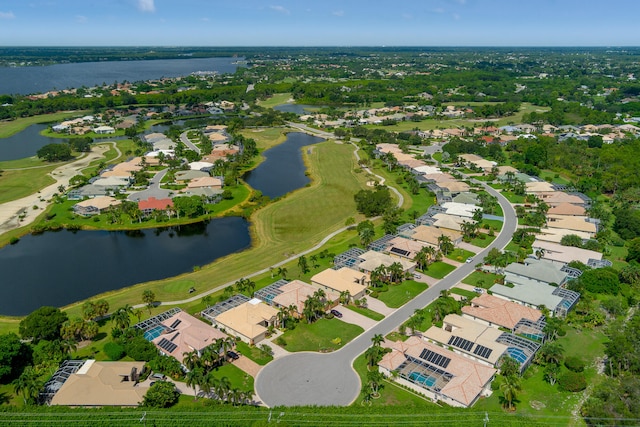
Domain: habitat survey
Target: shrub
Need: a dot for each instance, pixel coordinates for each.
(114, 351)
(281, 341)
(574, 364)
(161, 395)
(572, 381)
(139, 348)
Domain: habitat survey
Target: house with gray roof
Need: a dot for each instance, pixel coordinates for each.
(534, 270)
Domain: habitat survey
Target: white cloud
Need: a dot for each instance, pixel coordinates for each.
(338, 13)
(146, 5)
(81, 19)
(7, 15)
(280, 9)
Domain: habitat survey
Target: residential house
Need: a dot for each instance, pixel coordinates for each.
(373, 259)
(205, 182)
(572, 223)
(560, 254)
(436, 372)
(286, 294)
(498, 312)
(95, 206)
(249, 321)
(344, 279)
(430, 235)
(148, 206)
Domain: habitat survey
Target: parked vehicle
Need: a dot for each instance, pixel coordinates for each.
(336, 313)
(233, 355)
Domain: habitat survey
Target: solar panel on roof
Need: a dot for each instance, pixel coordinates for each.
(176, 323)
(460, 343)
(435, 358)
(399, 251)
(175, 336)
(167, 345)
(482, 351)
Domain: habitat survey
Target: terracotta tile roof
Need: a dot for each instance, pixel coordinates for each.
(500, 311)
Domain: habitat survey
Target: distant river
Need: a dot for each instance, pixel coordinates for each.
(28, 80)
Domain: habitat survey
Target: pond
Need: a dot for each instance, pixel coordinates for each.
(283, 170)
(59, 268)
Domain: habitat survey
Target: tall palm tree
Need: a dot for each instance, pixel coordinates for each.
(122, 317)
(445, 244)
(377, 340)
(509, 387)
(223, 388)
(396, 272)
(194, 378)
(191, 359)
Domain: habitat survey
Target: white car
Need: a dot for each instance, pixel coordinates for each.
(469, 260)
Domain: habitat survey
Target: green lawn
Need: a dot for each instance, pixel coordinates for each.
(483, 240)
(398, 295)
(460, 255)
(275, 99)
(320, 335)
(463, 292)
(481, 279)
(17, 184)
(253, 353)
(439, 269)
(238, 378)
(366, 312)
(513, 198)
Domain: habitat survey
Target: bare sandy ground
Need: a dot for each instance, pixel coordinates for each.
(21, 212)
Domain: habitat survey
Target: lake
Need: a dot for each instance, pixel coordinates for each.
(283, 170)
(27, 80)
(59, 268)
(298, 109)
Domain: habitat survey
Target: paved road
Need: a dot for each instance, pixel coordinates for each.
(329, 379)
(153, 190)
(185, 139)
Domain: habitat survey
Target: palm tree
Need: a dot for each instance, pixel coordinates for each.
(552, 352)
(396, 272)
(445, 244)
(121, 317)
(282, 272)
(377, 340)
(191, 359)
(194, 378)
(509, 387)
(374, 379)
(223, 387)
(420, 259)
(210, 357)
(28, 385)
(314, 261)
(373, 356)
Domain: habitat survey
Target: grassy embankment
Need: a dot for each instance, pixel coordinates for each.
(11, 127)
(288, 226)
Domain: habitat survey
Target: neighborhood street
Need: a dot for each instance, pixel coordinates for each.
(329, 379)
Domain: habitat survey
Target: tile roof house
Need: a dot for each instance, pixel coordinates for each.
(438, 373)
(573, 223)
(499, 312)
(205, 181)
(566, 209)
(344, 279)
(540, 271)
(101, 384)
(186, 334)
(373, 260)
(95, 206)
(430, 235)
(563, 255)
(152, 204)
(248, 321)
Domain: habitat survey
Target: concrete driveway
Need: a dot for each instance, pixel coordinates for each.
(153, 190)
(350, 316)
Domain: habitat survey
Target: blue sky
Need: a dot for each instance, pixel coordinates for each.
(320, 22)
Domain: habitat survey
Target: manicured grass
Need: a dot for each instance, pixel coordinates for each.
(265, 138)
(493, 223)
(513, 198)
(17, 184)
(459, 255)
(439, 269)
(11, 127)
(391, 393)
(617, 256)
(275, 99)
(366, 312)
(238, 378)
(464, 293)
(483, 240)
(398, 295)
(253, 353)
(481, 279)
(396, 336)
(319, 336)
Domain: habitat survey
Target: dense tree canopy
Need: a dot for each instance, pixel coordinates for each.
(55, 152)
(373, 202)
(14, 355)
(43, 324)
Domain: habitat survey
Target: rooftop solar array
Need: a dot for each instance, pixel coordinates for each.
(399, 251)
(157, 319)
(212, 312)
(62, 374)
(167, 345)
(482, 351)
(176, 323)
(435, 358)
(461, 343)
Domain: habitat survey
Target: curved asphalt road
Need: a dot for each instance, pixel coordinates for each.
(329, 379)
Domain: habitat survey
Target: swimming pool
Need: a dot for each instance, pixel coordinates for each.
(421, 379)
(517, 354)
(153, 333)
